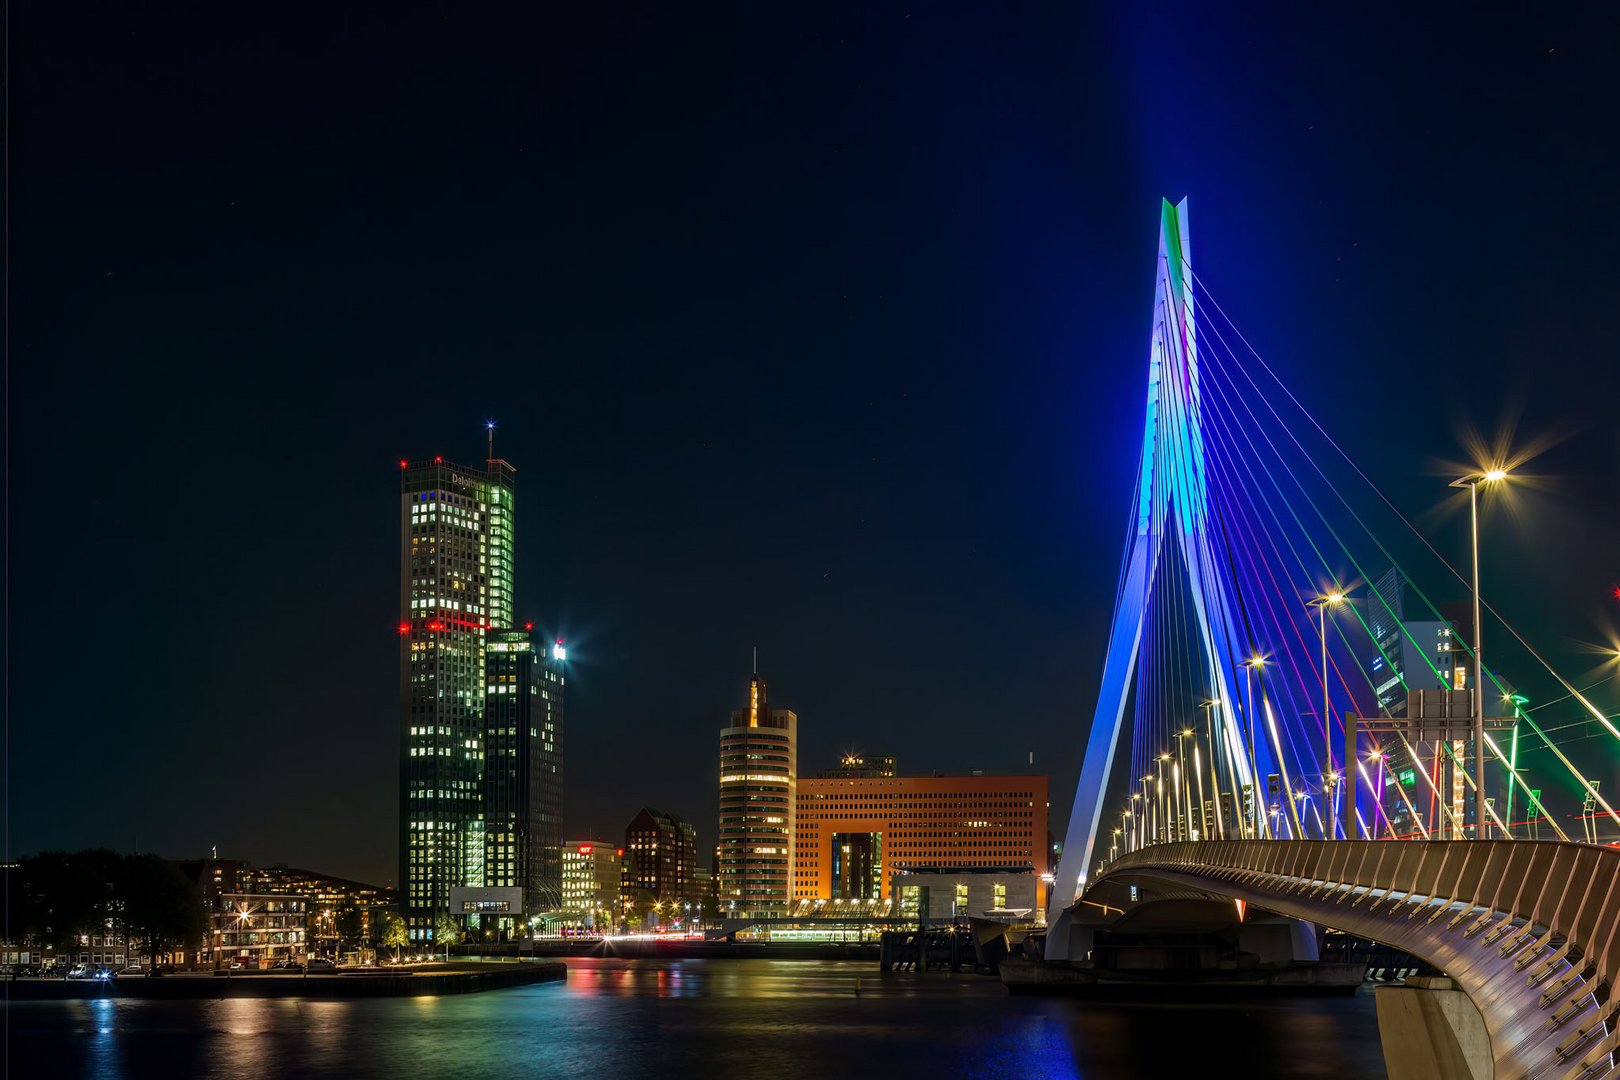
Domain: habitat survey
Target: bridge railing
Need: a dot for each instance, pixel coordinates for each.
(1531, 930)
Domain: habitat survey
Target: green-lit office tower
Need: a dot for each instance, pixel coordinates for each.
(523, 773)
(455, 584)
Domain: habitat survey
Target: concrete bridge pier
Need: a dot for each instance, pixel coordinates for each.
(1432, 1031)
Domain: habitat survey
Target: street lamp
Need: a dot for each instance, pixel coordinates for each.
(1377, 783)
(1249, 667)
(1150, 809)
(1517, 701)
(1214, 776)
(1158, 789)
(1331, 817)
(1472, 483)
(1184, 785)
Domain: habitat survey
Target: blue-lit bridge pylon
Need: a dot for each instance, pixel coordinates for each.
(1171, 505)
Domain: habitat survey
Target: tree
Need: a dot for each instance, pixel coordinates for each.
(446, 932)
(57, 897)
(160, 909)
(394, 935)
(350, 926)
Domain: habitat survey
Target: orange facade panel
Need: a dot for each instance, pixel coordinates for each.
(919, 821)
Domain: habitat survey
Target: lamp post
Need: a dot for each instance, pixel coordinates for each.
(1516, 701)
(1377, 756)
(1209, 735)
(1150, 809)
(1164, 812)
(1330, 816)
(1130, 828)
(1472, 483)
(1249, 667)
(1184, 786)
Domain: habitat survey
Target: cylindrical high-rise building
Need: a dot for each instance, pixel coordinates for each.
(758, 797)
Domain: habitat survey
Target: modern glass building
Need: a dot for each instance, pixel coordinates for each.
(523, 778)
(455, 584)
(758, 776)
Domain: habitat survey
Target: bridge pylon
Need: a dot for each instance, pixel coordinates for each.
(1171, 503)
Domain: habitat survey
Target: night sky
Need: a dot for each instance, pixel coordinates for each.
(822, 331)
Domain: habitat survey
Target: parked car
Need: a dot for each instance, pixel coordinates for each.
(79, 971)
(132, 969)
(163, 969)
(286, 963)
(321, 963)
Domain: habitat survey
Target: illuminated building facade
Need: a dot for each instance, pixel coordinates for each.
(590, 882)
(256, 930)
(455, 584)
(854, 834)
(758, 774)
(523, 769)
(660, 863)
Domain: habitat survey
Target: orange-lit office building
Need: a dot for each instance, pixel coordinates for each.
(856, 832)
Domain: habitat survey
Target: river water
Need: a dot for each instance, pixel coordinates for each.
(709, 1019)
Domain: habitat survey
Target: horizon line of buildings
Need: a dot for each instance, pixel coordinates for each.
(481, 766)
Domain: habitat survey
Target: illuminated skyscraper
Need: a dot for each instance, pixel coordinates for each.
(758, 774)
(455, 584)
(523, 777)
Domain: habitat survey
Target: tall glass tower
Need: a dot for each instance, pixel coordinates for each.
(523, 778)
(455, 584)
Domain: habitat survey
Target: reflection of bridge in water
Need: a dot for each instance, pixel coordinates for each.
(1296, 702)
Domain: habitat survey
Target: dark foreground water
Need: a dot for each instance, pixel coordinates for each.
(709, 1019)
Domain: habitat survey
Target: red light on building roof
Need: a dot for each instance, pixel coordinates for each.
(437, 460)
(559, 643)
(404, 627)
(528, 626)
(404, 464)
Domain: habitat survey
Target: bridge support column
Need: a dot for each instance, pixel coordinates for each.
(1431, 1031)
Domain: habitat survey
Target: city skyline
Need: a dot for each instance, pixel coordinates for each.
(836, 374)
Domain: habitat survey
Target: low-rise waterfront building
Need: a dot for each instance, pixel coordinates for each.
(853, 832)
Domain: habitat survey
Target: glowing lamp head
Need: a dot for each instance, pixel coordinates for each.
(1335, 598)
(1496, 474)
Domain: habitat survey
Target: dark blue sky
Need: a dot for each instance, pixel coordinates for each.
(819, 330)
